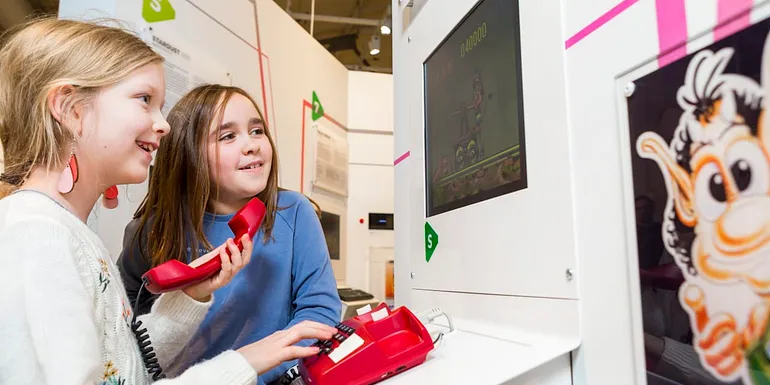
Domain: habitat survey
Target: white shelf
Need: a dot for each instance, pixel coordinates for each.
(484, 354)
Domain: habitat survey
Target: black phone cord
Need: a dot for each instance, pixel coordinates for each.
(145, 346)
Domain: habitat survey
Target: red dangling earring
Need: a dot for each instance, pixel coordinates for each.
(69, 176)
(110, 198)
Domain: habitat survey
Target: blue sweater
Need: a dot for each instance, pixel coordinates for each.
(288, 280)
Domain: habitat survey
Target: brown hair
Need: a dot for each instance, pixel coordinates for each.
(36, 59)
(171, 215)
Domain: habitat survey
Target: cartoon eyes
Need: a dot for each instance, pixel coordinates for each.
(717, 188)
(710, 192)
(742, 174)
(748, 174)
(749, 169)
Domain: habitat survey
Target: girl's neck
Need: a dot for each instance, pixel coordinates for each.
(225, 206)
(80, 201)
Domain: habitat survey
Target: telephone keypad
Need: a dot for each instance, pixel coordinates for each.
(327, 346)
(345, 329)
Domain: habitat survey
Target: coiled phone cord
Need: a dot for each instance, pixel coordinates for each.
(429, 315)
(145, 346)
(289, 376)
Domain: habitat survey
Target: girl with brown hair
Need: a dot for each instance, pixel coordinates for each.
(218, 156)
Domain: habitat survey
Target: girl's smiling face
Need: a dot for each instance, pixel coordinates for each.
(239, 154)
(123, 126)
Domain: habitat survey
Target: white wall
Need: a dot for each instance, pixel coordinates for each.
(599, 41)
(496, 246)
(299, 65)
(370, 120)
(503, 260)
(602, 245)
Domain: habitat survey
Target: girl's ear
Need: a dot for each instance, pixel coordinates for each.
(59, 101)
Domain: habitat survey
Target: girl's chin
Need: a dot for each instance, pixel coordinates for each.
(247, 189)
(134, 177)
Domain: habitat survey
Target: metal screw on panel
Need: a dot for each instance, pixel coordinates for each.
(412, 275)
(568, 274)
(408, 39)
(629, 89)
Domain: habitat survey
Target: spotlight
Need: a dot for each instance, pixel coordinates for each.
(374, 45)
(385, 27)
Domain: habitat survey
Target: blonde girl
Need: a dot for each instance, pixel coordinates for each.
(80, 111)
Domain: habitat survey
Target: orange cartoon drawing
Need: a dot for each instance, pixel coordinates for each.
(717, 218)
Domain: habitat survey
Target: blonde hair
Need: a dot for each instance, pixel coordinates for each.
(40, 57)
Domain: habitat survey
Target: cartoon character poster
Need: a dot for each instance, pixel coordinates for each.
(700, 140)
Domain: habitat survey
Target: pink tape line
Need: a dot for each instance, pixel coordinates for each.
(672, 30)
(732, 16)
(596, 24)
(401, 158)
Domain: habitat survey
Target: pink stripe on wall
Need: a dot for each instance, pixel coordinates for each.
(672, 30)
(401, 158)
(732, 16)
(596, 24)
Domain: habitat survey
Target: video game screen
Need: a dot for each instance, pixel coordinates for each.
(474, 123)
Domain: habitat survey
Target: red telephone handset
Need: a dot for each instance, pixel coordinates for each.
(175, 275)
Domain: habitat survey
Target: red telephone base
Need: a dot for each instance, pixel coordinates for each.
(366, 351)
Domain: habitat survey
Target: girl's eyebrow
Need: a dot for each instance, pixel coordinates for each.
(252, 122)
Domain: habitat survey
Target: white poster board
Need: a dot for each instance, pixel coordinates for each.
(185, 69)
(331, 161)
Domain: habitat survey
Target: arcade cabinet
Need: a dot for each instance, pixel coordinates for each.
(487, 173)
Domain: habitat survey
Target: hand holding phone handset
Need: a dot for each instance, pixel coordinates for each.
(175, 275)
(215, 266)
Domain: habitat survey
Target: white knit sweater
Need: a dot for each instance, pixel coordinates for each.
(64, 315)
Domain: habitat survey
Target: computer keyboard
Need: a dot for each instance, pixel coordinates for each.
(353, 295)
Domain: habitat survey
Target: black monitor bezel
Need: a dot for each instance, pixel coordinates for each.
(339, 234)
(499, 191)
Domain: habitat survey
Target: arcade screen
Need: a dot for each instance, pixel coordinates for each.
(474, 123)
(331, 227)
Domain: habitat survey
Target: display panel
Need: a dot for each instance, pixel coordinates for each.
(379, 221)
(701, 185)
(331, 226)
(474, 123)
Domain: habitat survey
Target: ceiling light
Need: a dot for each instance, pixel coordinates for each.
(385, 27)
(374, 45)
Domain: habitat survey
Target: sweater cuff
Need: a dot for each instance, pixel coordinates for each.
(229, 368)
(181, 307)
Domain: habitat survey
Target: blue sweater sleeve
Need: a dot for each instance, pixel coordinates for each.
(314, 288)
